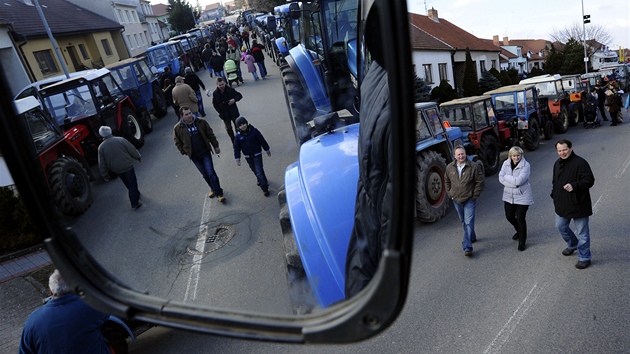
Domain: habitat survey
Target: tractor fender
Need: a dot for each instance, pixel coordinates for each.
(302, 64)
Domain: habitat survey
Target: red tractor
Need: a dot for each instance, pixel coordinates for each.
(66, 170)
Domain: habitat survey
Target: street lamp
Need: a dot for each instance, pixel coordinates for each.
(585, 19)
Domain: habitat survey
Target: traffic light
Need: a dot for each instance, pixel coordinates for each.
(587, 18)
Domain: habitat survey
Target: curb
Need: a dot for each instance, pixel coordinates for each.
(21, 253)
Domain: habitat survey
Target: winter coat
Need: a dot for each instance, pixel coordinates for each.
(184, 95)
(116, 155)
(576, 171)
(612, 102)
(468, 186)
(194, 82)
(251, 64)
(251, 142)
(516, 186)
(234, 54)
(182, 139)
(216, 62)
(220, 99)
(257, 52)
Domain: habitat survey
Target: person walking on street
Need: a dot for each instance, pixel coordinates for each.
(194, 138)
(612, 105)
(251, 142)
(601, 100)
(184, 95)
(206, 56)
(251, 64)
(572, 179)
(191, 79)
(234, 54)
(464, 182)
(168, 95)
(259, 57)
(517, 193)
(116, 155)
(217, 61)
(65, 324)
(224, 100)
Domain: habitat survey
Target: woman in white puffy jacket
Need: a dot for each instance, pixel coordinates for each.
(517, 193)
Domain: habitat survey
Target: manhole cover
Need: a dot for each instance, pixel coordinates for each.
(216, 238)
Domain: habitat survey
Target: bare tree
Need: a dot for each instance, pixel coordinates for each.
(593, 32)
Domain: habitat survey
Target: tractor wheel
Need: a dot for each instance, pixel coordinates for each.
(489, 154)
(548, 130)
(531, 138)
(130, 128)
(431, 198)
(147, 123)
(561, 124)
(299, 104)
(159, 102)
(574, 115)
(70, 186)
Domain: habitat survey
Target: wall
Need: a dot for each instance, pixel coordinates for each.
(420, 57)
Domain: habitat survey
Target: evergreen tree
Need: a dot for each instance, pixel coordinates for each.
(573, 58)
(488, 82)
(535, 72)
(513, 75)
(554, 61)
(505, 78)
(443, 93)
(422, 90)
(495, 73)
(180, 16)
(470, 85)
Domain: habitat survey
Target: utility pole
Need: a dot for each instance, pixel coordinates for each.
(52, 39)
(585, 19)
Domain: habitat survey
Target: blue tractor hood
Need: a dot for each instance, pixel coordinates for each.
(321, 192)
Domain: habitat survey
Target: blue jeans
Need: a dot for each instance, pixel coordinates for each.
(262, 69)
(131, 182)
(204, 164)
(207, 64)
(581, 242)
(256, 165)
(200, 103)
(220, 73)
(466, 213)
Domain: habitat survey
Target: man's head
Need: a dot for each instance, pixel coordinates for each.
(167, 69)
(179, 80)
(220, 83)
(564, 148)
(188, 70)
(58, 286)
(241, 123)
(186, 114)
(105, 131)
(460, 154)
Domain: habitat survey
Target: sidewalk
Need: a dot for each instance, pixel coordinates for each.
(20, 294)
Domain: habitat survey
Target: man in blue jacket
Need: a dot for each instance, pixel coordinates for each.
(572, 179)
(251, 142)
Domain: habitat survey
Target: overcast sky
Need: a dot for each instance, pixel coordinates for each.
(530, 19)
(518, 19)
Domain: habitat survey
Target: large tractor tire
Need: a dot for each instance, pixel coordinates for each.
(531, 138)
(490, 154)
(299, 104)
(561, 124)
(431, 198)
(130, 128)
(70, 186)
(145, 120)
(159, 102)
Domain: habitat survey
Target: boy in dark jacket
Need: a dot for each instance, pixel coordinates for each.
(251, 142)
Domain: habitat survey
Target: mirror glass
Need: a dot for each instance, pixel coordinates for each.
(184, 245)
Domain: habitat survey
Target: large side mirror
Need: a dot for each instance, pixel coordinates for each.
(222, 275)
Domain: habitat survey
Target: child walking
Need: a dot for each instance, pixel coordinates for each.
(251, 142)
(251, 64)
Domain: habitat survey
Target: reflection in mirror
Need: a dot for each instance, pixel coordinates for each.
(181, 243)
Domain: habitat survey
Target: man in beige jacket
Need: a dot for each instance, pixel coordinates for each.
(184, 95)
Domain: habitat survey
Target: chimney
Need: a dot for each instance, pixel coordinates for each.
(433, 14)
(495, 41)
(506, 41)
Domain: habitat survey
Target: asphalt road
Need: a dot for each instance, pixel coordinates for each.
(498, 301)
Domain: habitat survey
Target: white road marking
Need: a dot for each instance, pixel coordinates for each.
(625, 167)
(599, 201)
(520, 312)
(193, 278)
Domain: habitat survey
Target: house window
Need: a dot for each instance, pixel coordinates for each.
(84, 52)
(127, 16)
(120, 16)
(482, 66)
(135, 37)
(493, 63)
(428, 77)
(45, 62)
(443, 71)
(129, 41)
(135, 16)
(106, 48)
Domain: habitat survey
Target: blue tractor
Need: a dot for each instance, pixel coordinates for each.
(321, 74)
(316, 235)
(170, 54)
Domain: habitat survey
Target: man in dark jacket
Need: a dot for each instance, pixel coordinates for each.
(206, 55)
(224, 100)
(191, 79)
(194, 138)
(251, 142)
(216, 62)
(259, 57)
(116, 155)
(601, 100)
(572, 179)
(464, 181)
